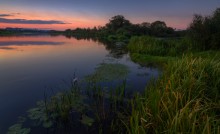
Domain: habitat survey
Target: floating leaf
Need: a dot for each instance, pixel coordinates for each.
(17, 129)
(108, 72)
(87, 120)
(47, 124)
(35, 113)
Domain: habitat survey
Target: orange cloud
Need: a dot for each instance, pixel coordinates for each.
(74, 19)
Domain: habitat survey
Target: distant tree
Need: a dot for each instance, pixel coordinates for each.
(215, 29)
(205, 31)
(145, 24)
(120, 29)
(68, 30)
(158, 28)
(158, 24)
(117, 22)
(145, 28)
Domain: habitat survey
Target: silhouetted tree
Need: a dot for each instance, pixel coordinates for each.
(120, 29)
(117, 22)
(145, 24)
(205, 31)
(158, 24)
(158, 28)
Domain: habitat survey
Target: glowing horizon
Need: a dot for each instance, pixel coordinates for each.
(57, 15)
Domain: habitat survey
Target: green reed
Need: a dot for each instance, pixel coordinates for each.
(159, 47)
(184, 100)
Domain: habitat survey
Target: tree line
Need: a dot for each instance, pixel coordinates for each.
(119, 28)
(203, 31)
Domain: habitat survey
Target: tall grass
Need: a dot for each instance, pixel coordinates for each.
(159, 47)
(184, 100)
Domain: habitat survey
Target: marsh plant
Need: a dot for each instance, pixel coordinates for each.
(184, 100)
(91, 109)
(18, 128)
(108, 72)
(159, 47)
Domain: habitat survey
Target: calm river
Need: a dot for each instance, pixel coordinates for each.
(33, 65)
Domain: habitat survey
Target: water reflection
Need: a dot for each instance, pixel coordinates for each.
(116, 49)
(27, 43)
(28, 64)
(7, 48)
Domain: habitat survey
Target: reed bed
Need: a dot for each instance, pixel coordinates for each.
(184, 100)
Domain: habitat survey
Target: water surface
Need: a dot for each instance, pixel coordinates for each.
(32, 65)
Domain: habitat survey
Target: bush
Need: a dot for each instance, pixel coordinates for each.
(205, 31)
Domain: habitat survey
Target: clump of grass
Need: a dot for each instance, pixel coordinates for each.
(108, 72)
(184, 100)
(159, 47)
(151, 61)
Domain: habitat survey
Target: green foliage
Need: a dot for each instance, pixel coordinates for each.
(120, 29)
(87, 120)
(18, 129)
(5, 32)
(112, 38)
(39, 114)
(184, 100)
(117, 22)
(205, 31)
(108, 72)
(93, 108)
(151, 61)
(160, 29)
(158, 47)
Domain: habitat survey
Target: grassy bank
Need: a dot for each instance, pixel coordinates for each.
(186, 98)
(151, 61)
(159, 47)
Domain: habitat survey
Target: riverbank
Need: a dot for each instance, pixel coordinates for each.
(185, 99)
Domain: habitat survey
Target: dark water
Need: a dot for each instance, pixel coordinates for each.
(31, 65)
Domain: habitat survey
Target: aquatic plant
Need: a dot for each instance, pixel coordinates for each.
(18, 127)
(91, 108)
(108, 72)
(40, 115)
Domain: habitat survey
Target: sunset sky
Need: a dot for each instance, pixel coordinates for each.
(63, 14)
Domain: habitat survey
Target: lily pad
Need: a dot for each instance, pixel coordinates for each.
(17, 129)
(47, 124)
(108, 72)
(35, 113)
(87, 120)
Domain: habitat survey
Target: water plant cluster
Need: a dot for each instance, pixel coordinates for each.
(120, 29)
(82, 109)
(108, 72)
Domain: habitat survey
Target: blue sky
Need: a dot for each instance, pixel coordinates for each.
(88, 13)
